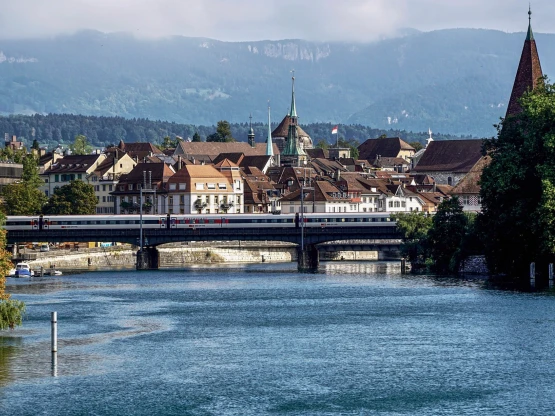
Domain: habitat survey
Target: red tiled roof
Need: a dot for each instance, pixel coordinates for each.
(385, 147)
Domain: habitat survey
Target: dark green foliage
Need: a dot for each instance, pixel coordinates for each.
(54, 129)
(446, 236)
(414, 226)
(417, 145)
(222, 134)
(517, 223)
(25, 198)
(76, 198)
(196, 137)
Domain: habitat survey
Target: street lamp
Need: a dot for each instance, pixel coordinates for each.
(302, 205)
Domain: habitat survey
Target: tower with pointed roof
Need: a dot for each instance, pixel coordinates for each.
(251, 141)
(269, 142)
(529, 71)
(293, 154)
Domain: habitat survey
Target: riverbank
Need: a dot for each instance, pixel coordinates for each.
(171, 255)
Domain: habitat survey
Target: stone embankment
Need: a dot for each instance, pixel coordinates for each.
(171, 255)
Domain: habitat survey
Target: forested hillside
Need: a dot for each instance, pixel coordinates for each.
(54, 129)
(454, 81)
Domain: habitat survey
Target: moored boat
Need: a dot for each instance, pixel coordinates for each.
(23, 270)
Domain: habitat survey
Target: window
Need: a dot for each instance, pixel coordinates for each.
(291, 209)
(449, 180)
(173, 187)
(103, 187)
(56, 178)
(390, 204)
(397, 204)
(79, 176)
(97, 188)
(182, 186)
(222, 186)
(403, 204)
(199, 186)
(130, 186)
(211, 186)
(110, 187)
(46, 180)
(94, 178)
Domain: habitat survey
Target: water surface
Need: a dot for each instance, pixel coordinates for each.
(357, 339)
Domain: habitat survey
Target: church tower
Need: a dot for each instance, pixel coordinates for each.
(250, 136)
(529, 71)
(293, 154)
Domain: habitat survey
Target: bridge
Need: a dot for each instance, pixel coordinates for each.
(307, 238)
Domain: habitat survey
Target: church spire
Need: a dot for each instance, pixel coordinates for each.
(251, 133)
(529, 71)
(293, 112)
(530, 35)
(269, 144)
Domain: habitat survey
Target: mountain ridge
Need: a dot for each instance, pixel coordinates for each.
(454, 80)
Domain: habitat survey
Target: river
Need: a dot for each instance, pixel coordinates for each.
(356, 339)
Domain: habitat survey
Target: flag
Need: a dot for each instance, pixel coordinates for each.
(334, 130)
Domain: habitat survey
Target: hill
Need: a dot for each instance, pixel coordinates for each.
(455, 81)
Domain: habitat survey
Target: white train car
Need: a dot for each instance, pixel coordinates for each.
(15, 222)
(61, 222)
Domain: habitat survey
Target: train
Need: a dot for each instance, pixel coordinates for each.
(60, 222)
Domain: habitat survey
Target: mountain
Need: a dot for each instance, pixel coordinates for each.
(454, 81)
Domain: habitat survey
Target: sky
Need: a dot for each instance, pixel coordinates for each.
(243, 20)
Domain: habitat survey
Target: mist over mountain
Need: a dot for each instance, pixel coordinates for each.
(454, 81)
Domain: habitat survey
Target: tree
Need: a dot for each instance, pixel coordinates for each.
(352, 144)
(11, 310)
(517, 223)
(223, 133)
(445, 237)
(80, 146)
(322, 144)
(35, 145)
(25, 198)
(196, 137)
(414, 227)
(76, 198)
(417, 146)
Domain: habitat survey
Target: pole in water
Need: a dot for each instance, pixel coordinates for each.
(54, 364)
(532, 275)
(54, 337)
(551, 275)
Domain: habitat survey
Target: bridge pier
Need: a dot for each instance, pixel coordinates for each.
(308, 259)
(148, 259)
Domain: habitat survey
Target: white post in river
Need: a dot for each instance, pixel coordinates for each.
(54, 327)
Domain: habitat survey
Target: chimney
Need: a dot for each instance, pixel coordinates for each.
(178, 163)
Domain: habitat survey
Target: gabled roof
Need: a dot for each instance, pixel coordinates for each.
(320, 192)
(283, 129)
(528, 74)
(470, 184)
(74, 163)
(233, 157)
(159, 172)
(317, 153)
(384, 147)
(225, 163)
(457, 156)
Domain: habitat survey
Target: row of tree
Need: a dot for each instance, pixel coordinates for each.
(517, 224)
(54, 129)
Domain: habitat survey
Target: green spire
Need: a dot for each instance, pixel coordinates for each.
(293, 112)
(530, 35)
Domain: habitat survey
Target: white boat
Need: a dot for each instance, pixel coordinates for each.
(23, 270)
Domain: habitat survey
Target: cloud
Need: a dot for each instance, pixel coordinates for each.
(350, 20)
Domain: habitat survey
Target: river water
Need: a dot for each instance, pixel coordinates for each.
(356, 339)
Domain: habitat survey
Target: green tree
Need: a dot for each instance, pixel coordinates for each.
(223, 133)
(352, 144)
(322, 144)
(25, 198)
(414, 226)
(196, 137)
(517, 223)
(417, 146)
(446, 236)
(11, 310)
(80, 146)
(35, 145)
(76, 198)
